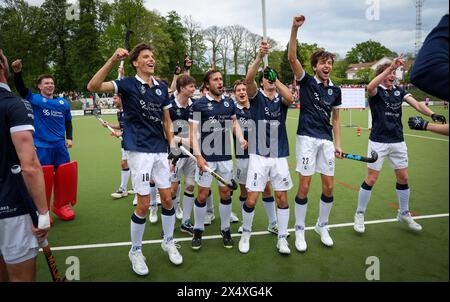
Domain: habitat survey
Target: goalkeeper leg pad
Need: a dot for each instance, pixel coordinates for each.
(65, 195)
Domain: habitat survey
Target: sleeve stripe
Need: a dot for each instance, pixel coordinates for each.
(21, 128)
(167, 107)
(409, 94)
(194, 121)
(116, 89)
(302, 77)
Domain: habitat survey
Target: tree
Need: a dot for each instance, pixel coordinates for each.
(367, 52)
(224, 49)
(177, 32)
(365, 74)
(250, 48)
(196, 47)
(304, 52)
(213, 35)
(237, 34)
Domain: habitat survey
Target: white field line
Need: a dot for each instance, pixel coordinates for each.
(406, 134)
(335, 226)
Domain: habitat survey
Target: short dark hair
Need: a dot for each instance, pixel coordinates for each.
(203, 87)
(42, 77)
(320, 55)
(382, 68)
(137, 50)
(184, 81)
(237, 83)
(208, 76)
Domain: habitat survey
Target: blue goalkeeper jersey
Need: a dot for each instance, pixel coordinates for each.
(50, 117)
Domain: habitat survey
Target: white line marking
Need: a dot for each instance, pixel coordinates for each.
(335, 226)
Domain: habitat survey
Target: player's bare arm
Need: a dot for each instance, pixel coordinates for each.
(296, 66)
(373, 85)
(97, 83)
(285, 92)
(252, 87)
(337, 132)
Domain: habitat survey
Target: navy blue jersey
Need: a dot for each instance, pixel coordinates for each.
(180, 119)
(50, 117)
(316, 105)
(386, 107)
(143, 106)
(270, 118)
(214, 120)
(245, 119)
(16, 115)
(121, 120)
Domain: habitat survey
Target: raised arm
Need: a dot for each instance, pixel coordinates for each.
(97, 83)
(252, 87)
(373, 85)
(296, 66)
(18, 79)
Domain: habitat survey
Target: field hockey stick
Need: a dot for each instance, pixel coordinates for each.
(17, 172)
(371, 160)
(107, 125)
(232, 186)
(127, 47)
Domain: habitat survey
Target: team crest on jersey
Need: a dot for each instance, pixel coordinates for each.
(330, 92)
(143, 90)
(44, 100)
(158, 92)
(226, 104)
(210, 106)
(397, 93)
(61, 102)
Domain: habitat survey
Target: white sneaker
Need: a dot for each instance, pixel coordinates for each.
(135, 201)
(300, 242)
(241, 229)
(172, 249)
(234, 218)
(138, 262)
(410, 221)
(244, 243)
(324, 235)
(209, 218)
(158, 198)
(120, 193)
(131, 191)
(359, 223)
(179, 212)
(273, 228)
(153, 216)
(283, 246)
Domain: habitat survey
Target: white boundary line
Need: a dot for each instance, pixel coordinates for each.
(335, 226)
(406, 134)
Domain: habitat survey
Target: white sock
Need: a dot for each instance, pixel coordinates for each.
(269, 206)
(124, 176)
(210, 203)
(365, 192)
(153, 202)
(326, 203)
(301, 207)
(168, 223)
(137, 231)
(247, 218)
(188, 201)
(199, 216)
(283, 222)
(242, 201)
(403, 193)
(225, 213)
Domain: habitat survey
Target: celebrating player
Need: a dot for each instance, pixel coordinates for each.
(269, 149)
(315, 150)
(213, 116)
(52, 137)
(386, 138)
(18, 237)
(147, 118)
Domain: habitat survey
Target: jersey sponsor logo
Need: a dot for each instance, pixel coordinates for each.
(143, 90)
(210, 107)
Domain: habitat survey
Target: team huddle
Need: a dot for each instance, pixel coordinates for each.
(167, 138)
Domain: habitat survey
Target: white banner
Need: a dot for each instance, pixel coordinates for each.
(77, 112)
(353, 98)
(109, 111)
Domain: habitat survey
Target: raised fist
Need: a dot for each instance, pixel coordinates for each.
(120, 54)
(298, 21)
(187, 63)
(17, 66)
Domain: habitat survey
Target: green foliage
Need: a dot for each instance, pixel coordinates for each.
(365, 74)
(367, 52)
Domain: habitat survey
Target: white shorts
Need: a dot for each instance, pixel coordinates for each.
(147, 166)
(240, 173)
(223, 168)
(396, 153)
(261, 170)
(124, 154)
(17, 242)
(185, 167)
(315, 156)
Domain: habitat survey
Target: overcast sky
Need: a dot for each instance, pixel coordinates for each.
(335, 25)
